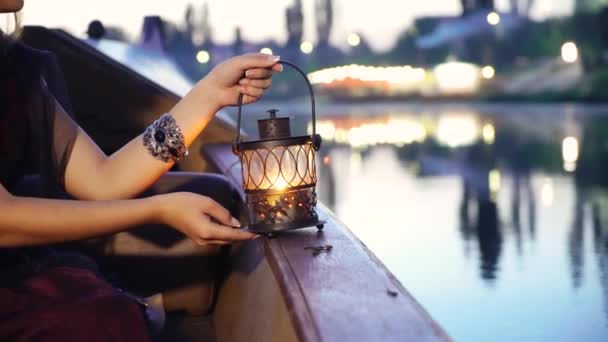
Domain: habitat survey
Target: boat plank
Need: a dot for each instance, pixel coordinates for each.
(344, 294)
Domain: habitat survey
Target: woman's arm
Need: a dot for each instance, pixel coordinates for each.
(34, 221)
(90, 174)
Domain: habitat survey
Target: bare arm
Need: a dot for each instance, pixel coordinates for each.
(90, 174)
(132, 169)
(34, 221)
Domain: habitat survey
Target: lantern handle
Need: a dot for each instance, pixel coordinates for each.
(316, 138)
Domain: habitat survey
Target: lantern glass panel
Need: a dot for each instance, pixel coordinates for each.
(253, 169)
(279, 168)
(288, 168)
(306, 167)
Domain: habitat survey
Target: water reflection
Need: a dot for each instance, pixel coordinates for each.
(327, 183)
(505, 168)
(575, 239)
(592, 202)
(481, 182)
(591, 211)
(600, 240)
(517, 153)
(478, 218)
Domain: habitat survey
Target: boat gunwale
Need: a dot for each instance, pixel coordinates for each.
(307, 326)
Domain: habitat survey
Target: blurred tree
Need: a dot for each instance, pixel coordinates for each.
(325, 21)
(603, 18)
(521, 7)
(593, 149)
(587, 28)
(295, 24)
(206, 28)
(116, 33)
(406, 51)
(590, 5)
(544, 39)
(189, 20)
(198, 28)
(295, 30)
(485, 4)
(237, 46)
(362, 53)
(324, 54)
(470, 6)
(190, 31)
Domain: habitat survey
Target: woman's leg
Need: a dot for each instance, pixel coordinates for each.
(195, 297)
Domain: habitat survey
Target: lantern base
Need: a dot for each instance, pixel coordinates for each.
(272, 229)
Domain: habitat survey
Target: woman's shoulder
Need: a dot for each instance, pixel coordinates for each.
(22, 53)
(20, 57)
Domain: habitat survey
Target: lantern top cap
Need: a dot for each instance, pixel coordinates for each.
(273, 113)
(273, 127)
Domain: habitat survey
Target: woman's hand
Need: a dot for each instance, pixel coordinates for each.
(200, 218)
(249, 74)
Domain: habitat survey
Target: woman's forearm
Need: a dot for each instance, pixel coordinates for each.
(34, 221)
(132, 169)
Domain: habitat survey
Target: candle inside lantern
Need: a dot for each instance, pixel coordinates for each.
(280, 184)
(279, 168)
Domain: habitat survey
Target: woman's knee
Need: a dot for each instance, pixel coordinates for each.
(215, 186)
(105, 316)
(219, 188)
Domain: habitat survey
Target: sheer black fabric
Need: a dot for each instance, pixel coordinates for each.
(35, 136)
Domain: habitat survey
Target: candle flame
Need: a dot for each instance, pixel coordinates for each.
(280, 184)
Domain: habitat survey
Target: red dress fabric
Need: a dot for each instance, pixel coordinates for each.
(69, 304)
(47, 295)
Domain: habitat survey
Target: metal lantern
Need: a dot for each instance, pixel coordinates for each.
(279, 172)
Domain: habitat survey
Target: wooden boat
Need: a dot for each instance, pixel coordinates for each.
(265, 290)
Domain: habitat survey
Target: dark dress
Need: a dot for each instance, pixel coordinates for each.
(45, 294)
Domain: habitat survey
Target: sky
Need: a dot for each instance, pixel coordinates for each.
(380, 21)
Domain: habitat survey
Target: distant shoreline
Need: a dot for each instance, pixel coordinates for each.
(301, 105)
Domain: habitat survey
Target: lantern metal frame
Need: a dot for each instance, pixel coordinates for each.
(298, 199)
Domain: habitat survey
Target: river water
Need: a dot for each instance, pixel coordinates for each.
(494, 216)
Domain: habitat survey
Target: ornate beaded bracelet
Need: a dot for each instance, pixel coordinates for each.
(164, 140)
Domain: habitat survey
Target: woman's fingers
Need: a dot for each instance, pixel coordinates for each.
(255, 60)
(259, 73)
(263, 84)
(219, 213)
(217, 242)
(251, 91)
(218, 232)
(256, 80)
(277, 67)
